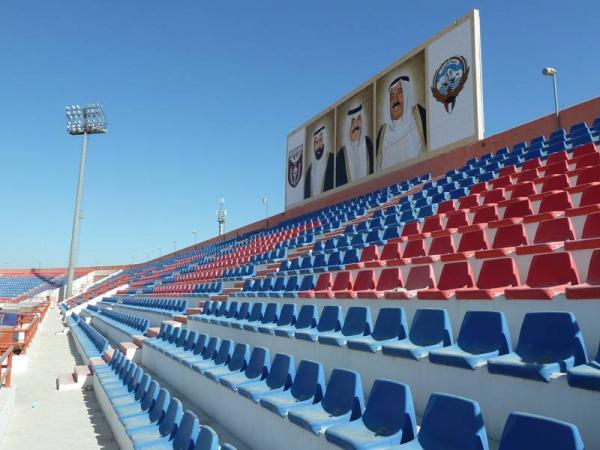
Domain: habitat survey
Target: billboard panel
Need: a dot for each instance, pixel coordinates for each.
(430, 100)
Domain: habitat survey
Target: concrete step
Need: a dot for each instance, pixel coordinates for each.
(67, 382)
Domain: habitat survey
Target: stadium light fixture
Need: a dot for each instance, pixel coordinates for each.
(265, 201)
(81, 122)
(174, 245)
(221, 216)
(195, 233)
(552, 72)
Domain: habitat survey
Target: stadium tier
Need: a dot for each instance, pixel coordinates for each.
(455, 311)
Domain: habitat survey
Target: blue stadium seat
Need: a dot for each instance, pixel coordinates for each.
(286, 317)
(256, 370)
(280, 378)
(343, 402)
(221, 358)
(528, 431)
(549, 343)
(269, 317)
(292, 286)
(330, 320)
(307, 389)
(451, 422)
(306, 320)
(388, 420)
(390, 326)
(357, 323)
(237, 363)
(483, 335)
(161, 436)
(429, 329)
(586, 376)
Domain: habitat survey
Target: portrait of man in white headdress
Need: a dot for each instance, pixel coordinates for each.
(355, 159)
(402, 129)
(319, 172)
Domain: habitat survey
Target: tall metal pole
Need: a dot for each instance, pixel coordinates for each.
(76, 220)
(556, 99)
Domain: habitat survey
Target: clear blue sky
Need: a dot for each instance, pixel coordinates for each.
(201, 95)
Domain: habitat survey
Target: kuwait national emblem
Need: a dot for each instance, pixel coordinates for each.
(295, 165)
(449, 80)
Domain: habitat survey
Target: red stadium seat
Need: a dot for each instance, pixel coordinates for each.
(585, 149)
(589, 160)
(556, 182)
(342, 286)
(485, 214)
(432, 223)
(414, 248)
(369, 257)
(506, 239)
(494, 196)
(456, 219)
(410, 229)
(556, 168)
(548, 275)
(591, 227)
(419, 277)
(508, 170)
(550, 235)
(324, 284)
(455, 275)
(531, 164)
(389, 280)
(559, 156)
(522, 190)
(469, 201)
(470, 242)
(501, 182)
(365, 282)
(495, 275)
(591, 288)
(475, 189)
(448, 205)
(528, 175)
(588, 175)
(390, 255)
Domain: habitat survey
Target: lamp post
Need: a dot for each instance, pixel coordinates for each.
(221, 216)
(195, 233)
(265, 201)
(81, 122)
(174, 245)
(552, 72)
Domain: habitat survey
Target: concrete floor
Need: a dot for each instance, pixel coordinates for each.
(44, 418)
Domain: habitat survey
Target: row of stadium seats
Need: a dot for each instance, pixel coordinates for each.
(549, 342)
(147, 413)
(91, 341)
(336, 409)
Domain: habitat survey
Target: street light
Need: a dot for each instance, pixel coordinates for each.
(195, 233)
(174, 245)
(265, 201)
(552, 72)
(81, 122)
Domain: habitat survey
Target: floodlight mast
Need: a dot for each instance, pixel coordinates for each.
(221, 215)
(81, 122)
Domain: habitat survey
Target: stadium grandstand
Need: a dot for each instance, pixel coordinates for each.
(441, 300)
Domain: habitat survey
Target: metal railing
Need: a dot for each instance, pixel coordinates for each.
(6, 366)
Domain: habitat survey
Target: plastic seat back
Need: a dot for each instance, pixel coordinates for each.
(591, 227)
(370, 253)
(224, 353)
(524, 430)
(307, 317)
(389, 279)
(256, 313)
(344, 394)
(472, 241)
(454, 422)
(455, 275)
(498, 273)
(308, 283)
(484, 332)
(258, 365)
(208, 440)
(365, 281)
(343, 281)
(547, 337)
(168, 426)
(287, 315)
(552, 269)
(430, 326)
(357, 321)
(510, 236)
(281, 373)
(554, 230)
(159, 408)
(187, 431)
(390, 324)
(390, 409)
(330, 319)
(420, 277)
(309, 381)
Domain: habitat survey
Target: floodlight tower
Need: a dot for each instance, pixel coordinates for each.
(81, 122)
(221, 216)
(265, 201)
(552, 72)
